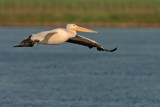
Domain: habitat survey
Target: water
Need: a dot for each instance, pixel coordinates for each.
(75, 76)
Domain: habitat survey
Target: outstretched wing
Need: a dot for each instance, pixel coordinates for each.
(48, 36)
(88, 42)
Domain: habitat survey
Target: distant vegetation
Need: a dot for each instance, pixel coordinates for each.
(84, 12)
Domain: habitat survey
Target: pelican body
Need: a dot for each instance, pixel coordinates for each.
(60, 35)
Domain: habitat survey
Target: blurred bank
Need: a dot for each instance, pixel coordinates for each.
(110, 13)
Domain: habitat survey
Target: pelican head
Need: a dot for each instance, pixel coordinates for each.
(74, 27)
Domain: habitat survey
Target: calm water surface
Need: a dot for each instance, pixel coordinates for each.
(74, 76)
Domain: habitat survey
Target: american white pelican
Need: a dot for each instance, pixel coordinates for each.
(59, 36)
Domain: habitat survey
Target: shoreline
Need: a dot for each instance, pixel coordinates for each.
(104, 25)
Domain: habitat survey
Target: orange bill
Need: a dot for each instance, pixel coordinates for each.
(84, 29)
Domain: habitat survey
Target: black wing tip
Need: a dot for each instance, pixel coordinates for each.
(111, 50)
(21, 45)
(18, 46)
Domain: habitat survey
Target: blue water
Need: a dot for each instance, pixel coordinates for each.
(75, 76)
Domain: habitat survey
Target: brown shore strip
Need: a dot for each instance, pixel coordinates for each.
(78, 10)
(100, 24)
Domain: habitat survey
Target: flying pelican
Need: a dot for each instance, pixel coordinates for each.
(59, 36)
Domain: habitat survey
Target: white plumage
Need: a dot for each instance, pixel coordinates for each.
(60, 35)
